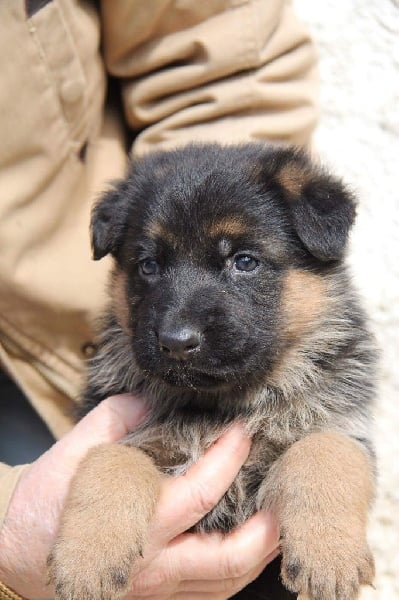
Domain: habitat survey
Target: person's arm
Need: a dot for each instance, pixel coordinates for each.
(223, 565)
(226, 71)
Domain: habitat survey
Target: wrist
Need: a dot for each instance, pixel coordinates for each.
(10, 583)
(19, 550)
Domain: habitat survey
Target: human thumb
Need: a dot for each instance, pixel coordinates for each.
(108, 422)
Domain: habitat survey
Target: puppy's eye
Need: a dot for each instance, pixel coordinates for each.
(148, 267)
(244, 262)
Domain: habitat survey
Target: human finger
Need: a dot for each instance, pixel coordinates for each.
(189, 497)
(108, 422)
(209, 557)
(230, 585)
(225, 556)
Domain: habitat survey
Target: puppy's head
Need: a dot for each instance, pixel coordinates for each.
(220, 254)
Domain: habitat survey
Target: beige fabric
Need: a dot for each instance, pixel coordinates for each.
(223, 70)
(226, 70)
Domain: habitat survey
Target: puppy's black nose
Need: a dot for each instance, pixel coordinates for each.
(179, 343)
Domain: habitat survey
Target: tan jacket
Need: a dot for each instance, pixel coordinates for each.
(224, 70)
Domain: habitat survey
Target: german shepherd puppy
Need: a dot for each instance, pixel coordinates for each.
(229, 301)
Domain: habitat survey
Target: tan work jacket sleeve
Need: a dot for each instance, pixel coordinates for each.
(191, 70)
(227, 70)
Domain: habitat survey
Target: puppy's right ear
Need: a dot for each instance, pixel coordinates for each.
(108, 221)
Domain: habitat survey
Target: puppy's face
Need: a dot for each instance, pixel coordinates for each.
(214, 247)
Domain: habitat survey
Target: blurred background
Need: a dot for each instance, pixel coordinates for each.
(358, 135)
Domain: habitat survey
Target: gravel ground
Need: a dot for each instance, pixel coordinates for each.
(358, 136)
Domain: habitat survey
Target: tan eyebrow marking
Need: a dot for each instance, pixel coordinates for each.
(157, 231)
(232, 226)
(228, 226)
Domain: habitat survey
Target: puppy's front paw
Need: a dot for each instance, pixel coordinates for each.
(321, 489)
(324, 563)
(104, 525)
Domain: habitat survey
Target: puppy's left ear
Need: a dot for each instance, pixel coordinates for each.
(322, 208)
(108, 221)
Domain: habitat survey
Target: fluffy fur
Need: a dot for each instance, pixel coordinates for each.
(230, 300)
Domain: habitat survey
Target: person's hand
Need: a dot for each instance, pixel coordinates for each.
(192, 566)
(177, 564)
